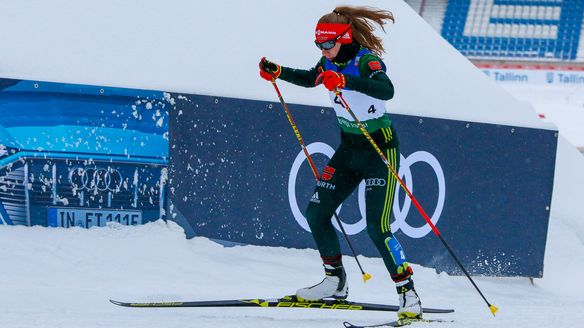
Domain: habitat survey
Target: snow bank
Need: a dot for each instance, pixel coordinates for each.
(64, 278)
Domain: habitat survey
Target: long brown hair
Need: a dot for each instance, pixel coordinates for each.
(362, 21)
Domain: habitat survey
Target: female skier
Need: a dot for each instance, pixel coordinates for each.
(351, 64)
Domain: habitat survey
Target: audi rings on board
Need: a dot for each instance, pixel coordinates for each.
(94, 178)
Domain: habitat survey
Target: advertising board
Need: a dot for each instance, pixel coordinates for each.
(237, 174)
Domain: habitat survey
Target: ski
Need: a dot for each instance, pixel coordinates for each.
(397, 323)
(284, 302)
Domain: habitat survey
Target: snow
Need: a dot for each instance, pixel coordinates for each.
(562, 105)
(64, 277)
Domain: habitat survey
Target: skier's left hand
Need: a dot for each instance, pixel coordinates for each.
(331, 80)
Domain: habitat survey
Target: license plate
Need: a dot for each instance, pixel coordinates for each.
(67, 217)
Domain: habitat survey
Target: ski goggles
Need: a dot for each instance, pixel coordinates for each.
(342, 34)
(327, 45)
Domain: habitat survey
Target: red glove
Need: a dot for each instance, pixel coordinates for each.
(332, 80)
(269, 71)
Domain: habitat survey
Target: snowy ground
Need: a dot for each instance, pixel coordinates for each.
(64, 278)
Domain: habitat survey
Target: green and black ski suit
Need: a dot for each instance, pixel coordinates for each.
(367, 88)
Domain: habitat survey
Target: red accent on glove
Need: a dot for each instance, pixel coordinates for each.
(267, 76)
(267, 71)
(331, 80)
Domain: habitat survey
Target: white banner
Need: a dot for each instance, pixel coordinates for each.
(536, 76)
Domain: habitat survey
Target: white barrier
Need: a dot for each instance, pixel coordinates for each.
(535, 75)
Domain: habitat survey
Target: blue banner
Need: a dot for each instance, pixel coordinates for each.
(78, 151)
(237, 174)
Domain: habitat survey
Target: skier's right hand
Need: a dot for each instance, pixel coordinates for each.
(269, 71)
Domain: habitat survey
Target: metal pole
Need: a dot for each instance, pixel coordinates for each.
(26, 194)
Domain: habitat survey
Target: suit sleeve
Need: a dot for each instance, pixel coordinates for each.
(301, 77)
(373, 80)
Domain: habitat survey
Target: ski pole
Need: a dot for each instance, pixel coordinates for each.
(493, 308)
(366, 276)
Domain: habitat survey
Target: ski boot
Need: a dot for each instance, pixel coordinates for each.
(410, 306)
(334, 285)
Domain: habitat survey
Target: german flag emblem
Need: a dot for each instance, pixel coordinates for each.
(374, 65)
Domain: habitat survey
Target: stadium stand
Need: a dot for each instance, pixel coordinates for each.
(510, 30)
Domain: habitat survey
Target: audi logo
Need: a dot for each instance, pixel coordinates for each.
(375, 182)
(102, 179)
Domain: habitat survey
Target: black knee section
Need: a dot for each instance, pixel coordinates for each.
(317, 215)
(377, 236)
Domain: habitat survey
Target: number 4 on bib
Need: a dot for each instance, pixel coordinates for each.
(338, 101)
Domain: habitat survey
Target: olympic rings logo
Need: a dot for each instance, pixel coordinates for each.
(400, 214)
(95, 179)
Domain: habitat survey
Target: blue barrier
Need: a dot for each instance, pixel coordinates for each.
(91, 154)
(237, 174)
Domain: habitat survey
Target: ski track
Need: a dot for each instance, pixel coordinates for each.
(65, 277)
